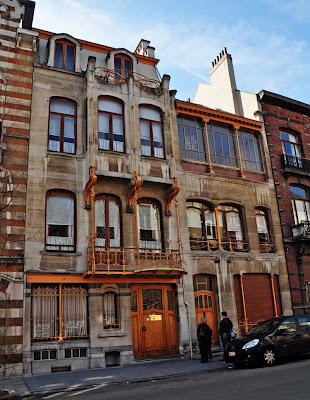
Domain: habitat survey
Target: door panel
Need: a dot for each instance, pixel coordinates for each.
(205, 308)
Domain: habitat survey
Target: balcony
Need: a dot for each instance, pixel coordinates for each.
(266, 247)
(292, 164)
(214, 244)
(134, 261)
(301, 231)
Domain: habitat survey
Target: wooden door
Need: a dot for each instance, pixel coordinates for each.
(154, 327)
(205, 307)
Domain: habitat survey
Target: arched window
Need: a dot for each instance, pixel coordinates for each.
(64, 55)
(192, 139)
(107, 221)
(60, 221)
(300, 204)
(62, 126)
(110, 310)
(201, 226)
(290, 144)
(230, 227)
(263, 230)
(222, 145)
(122, 66)
(250, 149)
(151, 132)
(149, 225)
(111, 124)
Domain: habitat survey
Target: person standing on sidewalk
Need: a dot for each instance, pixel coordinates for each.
(204, 335)
(225, 330)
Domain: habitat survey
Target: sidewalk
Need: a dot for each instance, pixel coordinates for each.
(142, 371)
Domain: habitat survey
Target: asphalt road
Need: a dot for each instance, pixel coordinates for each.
(290, 381)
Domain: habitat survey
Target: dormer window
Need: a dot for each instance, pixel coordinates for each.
(64, 55)
(122, 66)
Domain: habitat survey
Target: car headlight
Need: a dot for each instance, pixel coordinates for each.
(250, 344)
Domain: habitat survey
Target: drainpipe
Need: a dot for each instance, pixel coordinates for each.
(189, 329)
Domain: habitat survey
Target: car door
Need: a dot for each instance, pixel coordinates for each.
(287, 338)
(304, 329)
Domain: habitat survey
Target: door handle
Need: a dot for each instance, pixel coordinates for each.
(143, 328)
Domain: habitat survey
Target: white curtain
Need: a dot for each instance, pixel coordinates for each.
(109, 309)
(145, 137)
(149, 220)
(69, 135)
(234, 224)
(114, 220)
(261, 224)
(158, 141)
(118, 133)
(54, 133)
(104, 129)
(44, 312)
(74, 311)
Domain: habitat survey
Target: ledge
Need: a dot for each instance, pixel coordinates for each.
(60, 254)
(111, 333)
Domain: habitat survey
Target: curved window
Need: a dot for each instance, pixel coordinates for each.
(151, 133)
(230, 227)
(300, 204)
(110, 124)
(201, 226)
(192, 139)
(60, 221)
(149, 225)
(64, 55)
(263, 230)
(110, 310)
(222, 145)
(250, 149)
(122, 66)
(107, 221)
(62, 126)
(290, 144)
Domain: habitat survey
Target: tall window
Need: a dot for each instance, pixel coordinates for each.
(110, 124)
(300, 204)
(201, 225)
(263, 230)
(62, 126)
(59, 311)
(122, 66)
(290, 144)
(107, 221)
(230, 227)
(64, 55)
(110, 310)
(60, 217)
(149, 225)
(222, 146)
(151, 132)
(192, 139)
(250, 151)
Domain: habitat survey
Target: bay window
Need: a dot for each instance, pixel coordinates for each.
(192, 139)
(230, 227)
(122, 66)
(149, 225)
(201, 225)
(151, 132)
(250, 149)
(222, 145)
(110, 124)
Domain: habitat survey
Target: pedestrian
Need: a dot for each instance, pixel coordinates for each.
(204, 334)
(226, 327)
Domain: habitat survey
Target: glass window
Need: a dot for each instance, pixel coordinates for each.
(250, 151)
(62, 126)
(151, 132)
(107, 222)
(230, 227)
(122, 66)
(304, 322)
(110, 124)
(60, 230)
(149, 226)
(222, 145)
(290, 145)
(192, 139)
(201, 225)
(64, 55)
(203, 282)
(110, 311)
(263, 229)
(300, 204)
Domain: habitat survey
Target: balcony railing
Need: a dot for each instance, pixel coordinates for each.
(302, 230)
(133, 260)
(213, 244)
(296, 163)
(266, 247)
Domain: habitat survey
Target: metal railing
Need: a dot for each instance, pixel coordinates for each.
(302, 230)
(293, 162)
(214, 244)
(266, 247)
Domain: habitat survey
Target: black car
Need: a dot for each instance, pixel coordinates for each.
(271, 340)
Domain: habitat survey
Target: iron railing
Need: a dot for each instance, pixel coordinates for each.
(214, 244)
(301, 230)
(293, 162)
(266, 247)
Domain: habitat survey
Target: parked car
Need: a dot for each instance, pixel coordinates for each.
(270, 340)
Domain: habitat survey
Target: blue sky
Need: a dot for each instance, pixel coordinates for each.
(269, 40)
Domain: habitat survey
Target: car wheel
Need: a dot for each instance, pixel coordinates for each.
(269, 357)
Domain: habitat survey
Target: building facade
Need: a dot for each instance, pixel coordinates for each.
(287, 123)
(16, 66)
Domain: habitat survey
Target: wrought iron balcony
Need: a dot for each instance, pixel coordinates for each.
(295, 163)
(302, 230)
(214, 244)
(266, 247)
(130, 261)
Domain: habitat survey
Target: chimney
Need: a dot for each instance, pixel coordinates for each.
(144, 49)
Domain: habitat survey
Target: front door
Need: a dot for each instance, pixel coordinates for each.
(154, 325)
(205, 308)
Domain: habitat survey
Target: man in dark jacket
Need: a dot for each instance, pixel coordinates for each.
(204, 335)
(225, 330)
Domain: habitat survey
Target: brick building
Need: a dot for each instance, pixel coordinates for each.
(287, 124)
(17, 42)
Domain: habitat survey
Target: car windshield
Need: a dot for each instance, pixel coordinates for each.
(264, 327)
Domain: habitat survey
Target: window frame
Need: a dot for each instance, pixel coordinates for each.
(62, 133)
(110, 115)
(66, 194)
(256, 150)
(151, 122)
(269, 242)
(306, 201)
(295, 145)
(122, 73)
(65, 43)
(156, 203)
(234, 160)
(117, 324)
(228, 239)
(199, 125)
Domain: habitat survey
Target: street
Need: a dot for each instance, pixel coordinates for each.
(282, 382)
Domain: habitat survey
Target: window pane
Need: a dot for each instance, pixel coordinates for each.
(114, 220)
(58, 62)
(210, 224)
(110, 105)
(69, 135)
(145, 138)
(194, 223)
(118, 135)
(44, 312)
(74, 311)
(158, 140)
(54, 133)
(100, 223)
(104, 131)
(250, 151)
(298, 193)
(150, 113)
(149, 223)
(70, 58)
(62, 106)
(109, 310)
